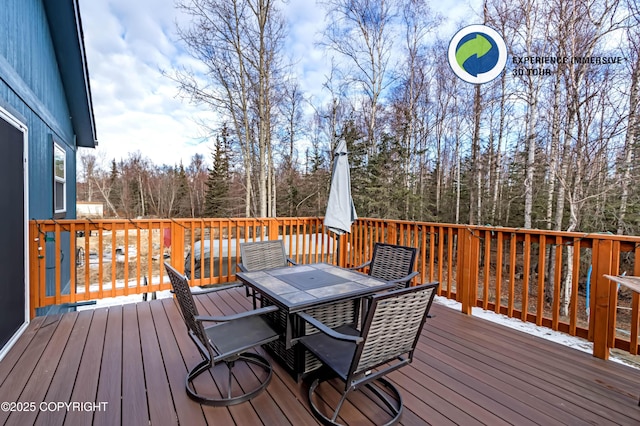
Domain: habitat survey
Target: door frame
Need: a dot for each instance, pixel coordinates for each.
(9, 118)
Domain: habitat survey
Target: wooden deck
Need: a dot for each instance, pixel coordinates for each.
(133, 359)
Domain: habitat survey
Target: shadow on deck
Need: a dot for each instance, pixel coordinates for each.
(132, 361)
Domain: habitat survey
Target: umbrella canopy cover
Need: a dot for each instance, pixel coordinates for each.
(341, 212)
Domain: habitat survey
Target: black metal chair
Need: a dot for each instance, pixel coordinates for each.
(386, 343)
(259, 255)
(392, 263)
(225, 342)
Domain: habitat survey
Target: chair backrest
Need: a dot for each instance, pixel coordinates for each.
(390, 262)
(188, 308)
(393, 326)
(263, 255)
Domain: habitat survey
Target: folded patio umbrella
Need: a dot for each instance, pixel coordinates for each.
(341, 212)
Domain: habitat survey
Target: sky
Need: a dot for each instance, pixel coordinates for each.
(137, 109)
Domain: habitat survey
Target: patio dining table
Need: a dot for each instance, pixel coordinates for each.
(329, 293)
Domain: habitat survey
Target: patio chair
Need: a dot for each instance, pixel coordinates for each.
(262, 255)
(362, 358)
(225, 342)
(392, 263)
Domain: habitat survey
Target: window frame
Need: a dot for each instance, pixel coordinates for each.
(59, 153)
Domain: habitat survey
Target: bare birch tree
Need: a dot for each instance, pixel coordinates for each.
(361, 32)
(238, 42)
(633, 121)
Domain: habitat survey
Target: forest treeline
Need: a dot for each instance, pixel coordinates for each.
(550, 144)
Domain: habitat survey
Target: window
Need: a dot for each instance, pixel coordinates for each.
(59, 181)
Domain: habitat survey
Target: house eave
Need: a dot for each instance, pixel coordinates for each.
(66, 32)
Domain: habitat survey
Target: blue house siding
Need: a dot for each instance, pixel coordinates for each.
(34, 86)
(34, 90)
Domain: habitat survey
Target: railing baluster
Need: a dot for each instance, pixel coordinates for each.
(513, 253)
(73, 262)
(541, 279)
(432, 249)
(87, 259)
(126, 259)
(557, 284)
(57, 271)
(138, 257)
(487, 269)
(573, 314)
(525, 277)
(449, 262)
(499, 254)
(100, 261)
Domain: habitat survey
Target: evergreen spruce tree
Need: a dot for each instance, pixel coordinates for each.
(217, 193)
(115, 186)
(183, 202)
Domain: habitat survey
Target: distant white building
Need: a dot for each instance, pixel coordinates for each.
(86, 209)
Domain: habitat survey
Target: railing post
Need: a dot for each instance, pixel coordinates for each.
(392, 233)
(36, 264)
(467, 270)
(177, 246)
(601, 304)
(342, 250)
(274, 229)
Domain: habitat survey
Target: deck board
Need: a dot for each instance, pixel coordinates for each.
(564, 377)
(134, 400)
(65, 375)
(161, 410)
(40, 380)
(88, 376)
(28, 364)
(110, 379)
(187, 411)
(466, 370)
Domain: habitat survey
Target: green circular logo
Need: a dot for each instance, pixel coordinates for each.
(477, 54)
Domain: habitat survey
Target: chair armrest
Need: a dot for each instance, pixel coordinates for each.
(233, 317)
(214, 289)
(364, 265)
(409, 277)
(328, 331)
(291, 261)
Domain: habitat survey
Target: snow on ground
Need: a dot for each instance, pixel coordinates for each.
(535, 330)
(123, 300)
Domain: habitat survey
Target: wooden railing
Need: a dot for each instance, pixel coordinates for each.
(79, 260)
(522, 274)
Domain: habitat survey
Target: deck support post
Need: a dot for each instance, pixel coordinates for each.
(602, 322)
(343, 243)
(177, 246)
(467, 274)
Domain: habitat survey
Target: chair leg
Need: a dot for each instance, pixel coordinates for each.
(247, 357)
(339, 406)
(316, 412)
(396, 407)
(230, 366)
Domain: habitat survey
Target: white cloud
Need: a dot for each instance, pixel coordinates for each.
(136, 108)
(130, 42)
